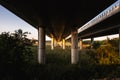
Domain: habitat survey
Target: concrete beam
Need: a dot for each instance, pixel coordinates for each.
(41, 45)
(63, 43)
(74, 47)
(99, 31)
(52, 44)
(108, 12)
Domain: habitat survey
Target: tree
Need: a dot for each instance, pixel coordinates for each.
(15, 48)
(106, 54)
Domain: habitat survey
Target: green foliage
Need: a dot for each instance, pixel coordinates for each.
(57, 56)
(85, 58)
(18, 61)
(114, 43)
(15, 55)
(58, 66)
(97, 44)
(106, 54)
(58, 72)
(107, 71)
(14, 48)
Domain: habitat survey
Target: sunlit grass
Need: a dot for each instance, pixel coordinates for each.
(58, 66)
(56, 56)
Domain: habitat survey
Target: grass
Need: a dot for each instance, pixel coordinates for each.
(58, 67)
(56, 56)
(63, 57)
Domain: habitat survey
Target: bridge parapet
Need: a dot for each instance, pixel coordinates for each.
(110, 11)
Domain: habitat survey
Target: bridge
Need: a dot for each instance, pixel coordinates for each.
(64, 19)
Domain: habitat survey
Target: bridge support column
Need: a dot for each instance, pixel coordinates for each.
(91, 44)
(52, 44)
(119, 41)
(80, 44)
(55, 43)
(41, 45)
(74, 47)
(63, 43)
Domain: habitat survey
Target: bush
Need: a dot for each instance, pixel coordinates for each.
(107, 54)
(14, 48)
(17, 62)
(15, 54)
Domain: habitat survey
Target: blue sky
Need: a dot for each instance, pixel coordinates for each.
(10, 22)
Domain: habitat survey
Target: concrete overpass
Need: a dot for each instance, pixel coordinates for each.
(105, 23)
(60, 18)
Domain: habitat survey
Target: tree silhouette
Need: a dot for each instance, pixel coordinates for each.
(15, 48)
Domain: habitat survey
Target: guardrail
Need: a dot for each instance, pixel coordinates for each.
(113, 9)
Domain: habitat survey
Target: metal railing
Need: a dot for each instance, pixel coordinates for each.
(110, 11)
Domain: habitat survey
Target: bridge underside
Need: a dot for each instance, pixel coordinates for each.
(107, 27)
(59, 17)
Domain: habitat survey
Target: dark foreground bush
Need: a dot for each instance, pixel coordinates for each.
(45, 72)
(15, 54)
(58, 72)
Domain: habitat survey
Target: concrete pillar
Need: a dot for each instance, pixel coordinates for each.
(119, 41)
(52, 44)
(92, 41)
(63, 43)
(74, 47)
(55, 43)
(41, 45)
(80, 44)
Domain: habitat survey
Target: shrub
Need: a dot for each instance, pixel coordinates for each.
(107, 55)
(15, 54)
(14, 48)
